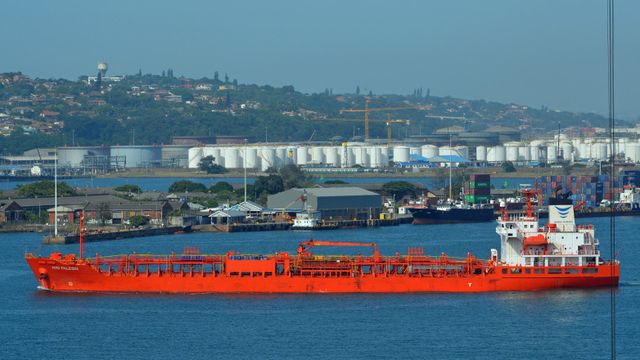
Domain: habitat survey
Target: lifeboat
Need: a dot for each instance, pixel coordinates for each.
(535, 240)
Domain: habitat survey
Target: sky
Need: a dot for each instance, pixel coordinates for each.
(537, 53)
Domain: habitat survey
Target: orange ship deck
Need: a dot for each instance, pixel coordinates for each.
(306, 273)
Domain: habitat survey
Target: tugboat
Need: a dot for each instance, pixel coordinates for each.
(558, 255)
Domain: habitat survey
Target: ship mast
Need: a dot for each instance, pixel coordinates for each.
(55, 194)
(450, 171)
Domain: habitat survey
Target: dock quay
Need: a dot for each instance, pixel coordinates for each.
(114, 235)
(285, 225)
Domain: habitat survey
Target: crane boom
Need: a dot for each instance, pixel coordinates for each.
(367, 110)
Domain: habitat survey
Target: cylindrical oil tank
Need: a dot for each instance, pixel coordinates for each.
(633, 152)
(195, 155)
(446, 150)
(552, 153)
(500, 153)
(232, 158)
(138, 156)
(584, 151)
(524, 153)
(302, 157)
(375, 156)
(250, 158)
(281, 156)
(346, 156)
(317, 155)
(331, 155)
(267, 158)
(292, 155)
(512, 150)
(175, 155)
(361, 157)
(384, 155)
(73, 157)
(538, 143)
(481, 153)
(414, 150)
(534, 151)
(599, 151)
(215, 152)
(429, 151)
(401, 154)
(567, 150)
(463, 151)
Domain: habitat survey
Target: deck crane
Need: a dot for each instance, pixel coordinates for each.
(367, 110)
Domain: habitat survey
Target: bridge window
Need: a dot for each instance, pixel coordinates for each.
(504, 271)
(590, 270)
(538, 271)
(208, 268)
(527, 271)
(555, 271)
(516, 271)
(153, 268)
(570, 271)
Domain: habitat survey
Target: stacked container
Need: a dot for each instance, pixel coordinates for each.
(590, 189)
(478, 189)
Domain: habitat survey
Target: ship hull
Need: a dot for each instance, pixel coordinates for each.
(83, 277)
(423, 216)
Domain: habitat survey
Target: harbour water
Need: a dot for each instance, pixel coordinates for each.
(543, 325)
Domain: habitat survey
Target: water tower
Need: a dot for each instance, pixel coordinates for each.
(102, 68)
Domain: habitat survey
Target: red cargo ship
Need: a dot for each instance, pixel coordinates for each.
(559, 255)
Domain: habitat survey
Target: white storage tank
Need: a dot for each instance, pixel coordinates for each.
(267, 158)
(360, 156)
(251, 158)
(232, 158)
(195, 155)
(524, 153)
(317, 155)
(73, 157)
(413, 150)
(331, 156)
(462, 151)
(375, 156)
(138, 156)
(633, 150)
(599, 151)
(384, 156)
(446, 150)
(215, 152)
(281, 156)
(175, 155)
(429, 151)
(535, 152)
(302, 157)
(512, 150)
(400, 154)
(567, 150)
(481, 153)
(500, 153)
(552, 154)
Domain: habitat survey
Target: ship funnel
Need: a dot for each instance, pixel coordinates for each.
(563, 216)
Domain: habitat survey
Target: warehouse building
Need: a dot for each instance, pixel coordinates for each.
(335, 203)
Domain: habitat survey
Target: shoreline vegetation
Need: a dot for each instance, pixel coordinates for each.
(493, 171)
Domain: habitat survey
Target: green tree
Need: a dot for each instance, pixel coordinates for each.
(138, 220)
(129, 188)
(292, 176)
(398, 188)
(221, 186)
(187, 186)
(45, 188)
(508, 166)
(208, 165)
(270, 184)
(335, 182)
(104, 212)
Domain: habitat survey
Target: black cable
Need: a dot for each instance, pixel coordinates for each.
(612, 219)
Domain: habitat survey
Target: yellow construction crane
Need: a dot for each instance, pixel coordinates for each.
(393, 121)
(366, 112)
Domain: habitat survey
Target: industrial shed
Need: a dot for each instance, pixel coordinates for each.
(335, 203)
